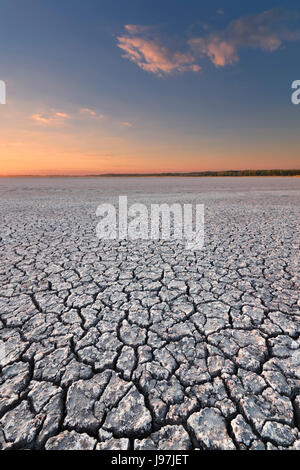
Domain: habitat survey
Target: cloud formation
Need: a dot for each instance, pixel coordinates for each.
(266, 31)
(91, 113)
(126, 124)
(55, 118)
(136, 28)
(152, 56)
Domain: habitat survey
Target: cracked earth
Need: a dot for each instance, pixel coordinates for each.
(143, 345)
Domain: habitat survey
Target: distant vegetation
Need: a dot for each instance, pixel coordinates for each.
(194, 173)
(219, 173)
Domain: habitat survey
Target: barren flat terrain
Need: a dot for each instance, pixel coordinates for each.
(142, 344)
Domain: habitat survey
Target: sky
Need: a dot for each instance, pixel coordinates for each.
(131, 86)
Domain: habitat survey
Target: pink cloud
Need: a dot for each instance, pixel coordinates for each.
(62, 115)
(136, 29)
(48, 119)
(220, 51)
(266, 31)
(91, 113)
(152, 56)
(126, 124)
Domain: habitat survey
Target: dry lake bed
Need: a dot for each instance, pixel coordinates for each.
(143, 344)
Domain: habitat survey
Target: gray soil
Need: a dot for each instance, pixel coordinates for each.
(142, 344)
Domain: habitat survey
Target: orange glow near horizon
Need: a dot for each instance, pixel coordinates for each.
(38, 160)
(86, 142)
(28, 162)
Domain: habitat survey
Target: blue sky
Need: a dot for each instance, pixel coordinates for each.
(203, 85)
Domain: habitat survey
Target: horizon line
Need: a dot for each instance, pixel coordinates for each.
(256, 172)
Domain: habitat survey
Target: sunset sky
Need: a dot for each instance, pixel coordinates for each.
(127, 86)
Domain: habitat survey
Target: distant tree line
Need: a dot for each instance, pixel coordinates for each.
(218, 173)
(251, 173)
(194, 173)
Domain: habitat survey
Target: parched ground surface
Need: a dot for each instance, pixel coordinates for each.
(143, 345)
